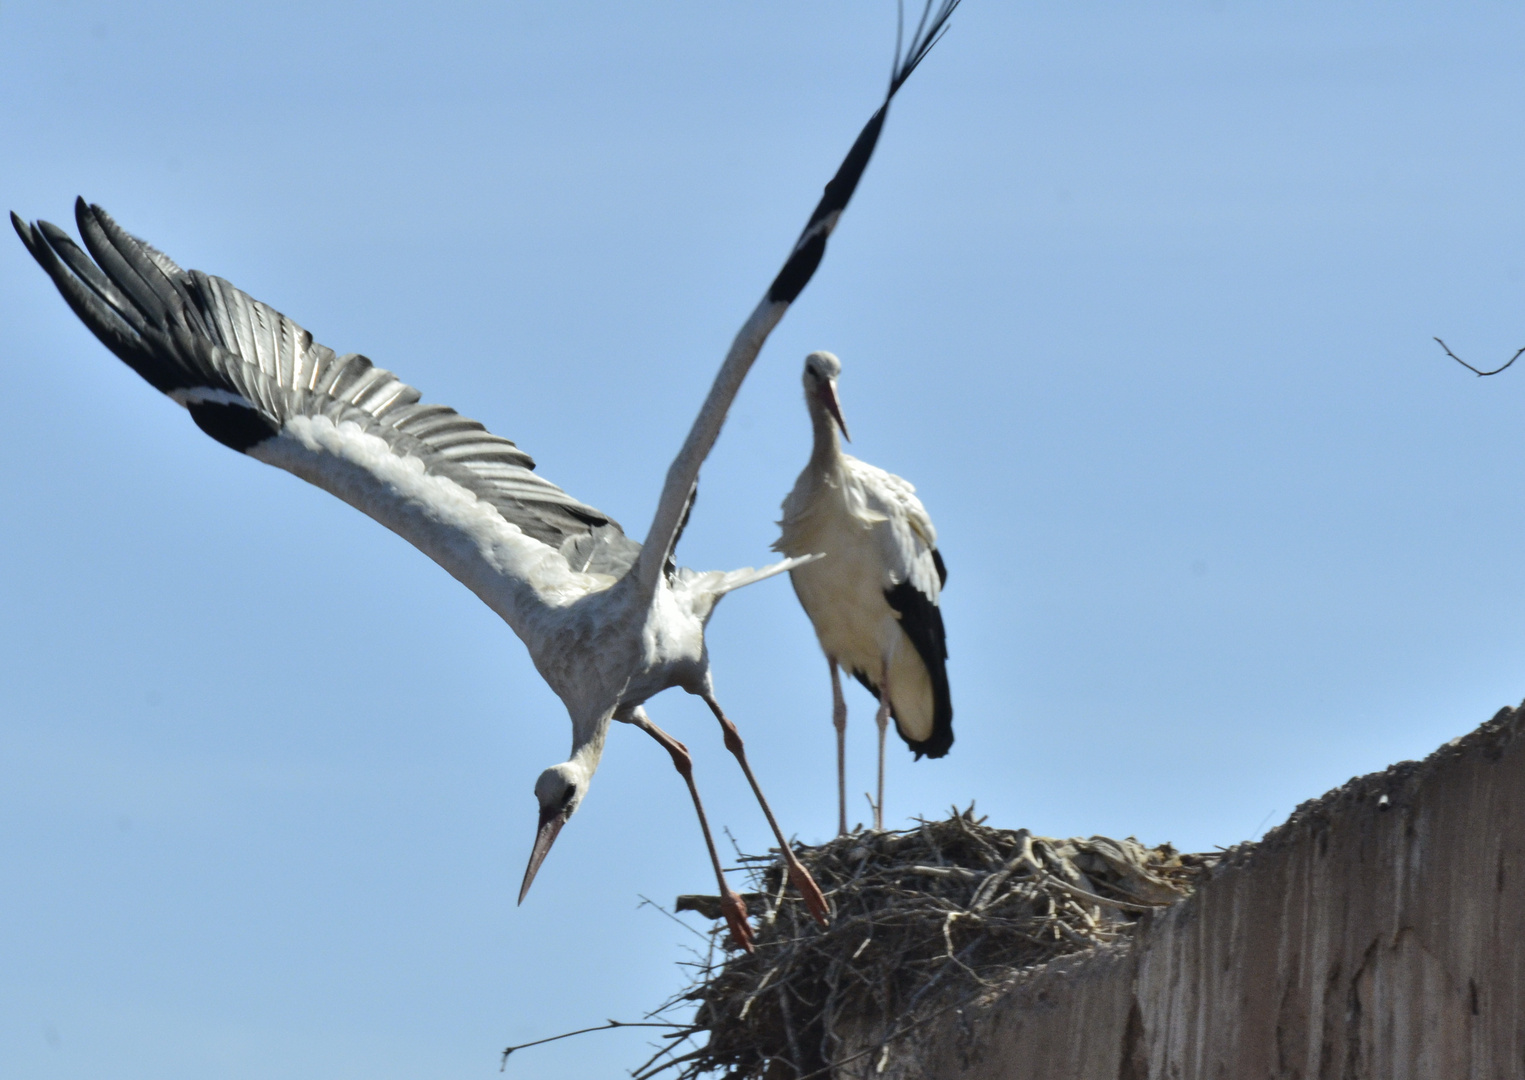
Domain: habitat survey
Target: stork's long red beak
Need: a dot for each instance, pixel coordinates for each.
(833, 406)
(551, 822)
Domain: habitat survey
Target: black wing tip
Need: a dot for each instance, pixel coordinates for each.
(921, 621)
(95, 225)
(810, 248)
(35, 237)
(929, 31)
(938, 745)
(96, 212)
(28, 234)
(34, 234)
(91, 217)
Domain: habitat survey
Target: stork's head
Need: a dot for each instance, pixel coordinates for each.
(559, 791)
(821, 371)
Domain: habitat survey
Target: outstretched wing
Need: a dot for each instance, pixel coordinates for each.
(257, 382)
(799, 267)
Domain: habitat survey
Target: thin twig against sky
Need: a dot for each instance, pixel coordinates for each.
(1477, 371)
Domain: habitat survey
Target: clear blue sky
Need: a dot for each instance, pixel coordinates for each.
(1139, 295)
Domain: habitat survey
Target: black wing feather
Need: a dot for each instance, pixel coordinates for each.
(810, 248)
(243, 369)
(922, 621)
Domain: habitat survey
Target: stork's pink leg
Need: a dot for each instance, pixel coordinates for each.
(799, 877)
(839, 721)
(882, 718)
(731, 904)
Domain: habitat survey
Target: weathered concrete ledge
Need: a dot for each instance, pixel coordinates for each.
(1378, 935)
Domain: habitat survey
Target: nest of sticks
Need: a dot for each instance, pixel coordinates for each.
(923, 920)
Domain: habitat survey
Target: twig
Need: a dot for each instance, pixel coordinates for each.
(647, 901)
(609, 1026)
(1081, 894)
(783, 1008)
(1474, 370)
(958, 873)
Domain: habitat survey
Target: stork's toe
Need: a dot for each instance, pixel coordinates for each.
(814, 899)
(734, 908)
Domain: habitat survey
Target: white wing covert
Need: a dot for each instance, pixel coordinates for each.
(256, 381)
(906, 536)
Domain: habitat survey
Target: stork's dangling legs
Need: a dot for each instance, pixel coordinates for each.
(839, 721)
(882, 718)
(799, 877)
(731, 904)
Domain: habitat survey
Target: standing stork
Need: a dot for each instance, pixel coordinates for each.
(608, 622)
(873, 599)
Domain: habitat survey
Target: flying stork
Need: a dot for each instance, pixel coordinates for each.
(608, 622)
(873, 599)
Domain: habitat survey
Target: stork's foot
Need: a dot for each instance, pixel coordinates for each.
(734, 908)
(805, 885)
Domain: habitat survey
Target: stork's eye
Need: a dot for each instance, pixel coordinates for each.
(566, 800)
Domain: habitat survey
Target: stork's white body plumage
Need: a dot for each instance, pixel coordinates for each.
(608, 622)
(875, 534)
(874, 597)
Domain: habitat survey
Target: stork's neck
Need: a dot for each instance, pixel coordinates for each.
(588, 746)
(826, 451)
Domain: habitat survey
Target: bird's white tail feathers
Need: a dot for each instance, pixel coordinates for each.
(706, 587)
(730, 580)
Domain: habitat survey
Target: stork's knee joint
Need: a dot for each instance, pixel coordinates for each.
(681, 761)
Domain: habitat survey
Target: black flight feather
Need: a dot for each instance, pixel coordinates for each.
(811, 245)
(922, 621)
(243, 370)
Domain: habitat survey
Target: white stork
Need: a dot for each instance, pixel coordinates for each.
(873, 599)
(608, 622)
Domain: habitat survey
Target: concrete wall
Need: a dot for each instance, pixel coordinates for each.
(1378, 935)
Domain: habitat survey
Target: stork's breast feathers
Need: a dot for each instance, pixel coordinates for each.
(868, 523)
